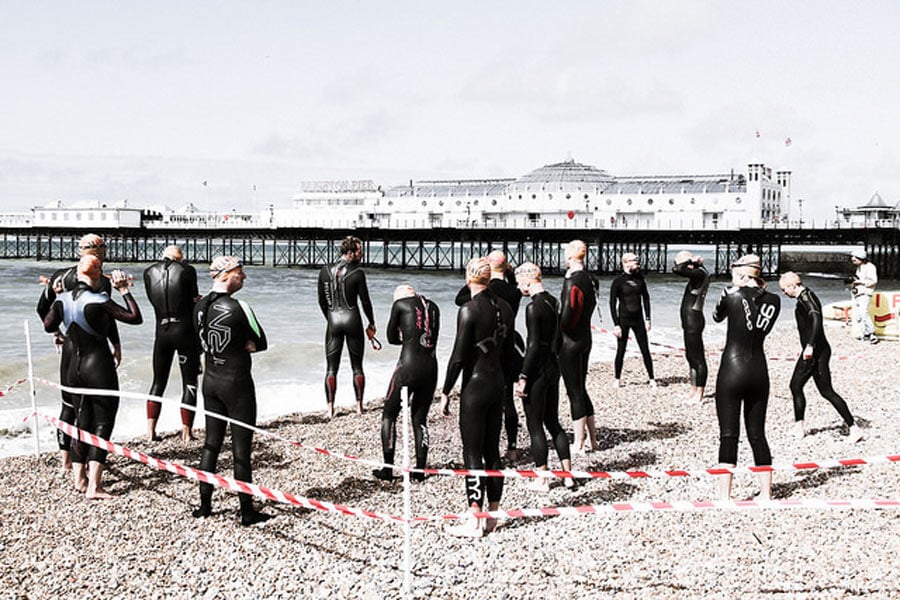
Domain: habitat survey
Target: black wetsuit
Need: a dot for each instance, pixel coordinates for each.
(341, 286)
(808, 313)
(172, 288)
(629, 305)
(541, 370)
(507, 290)
(415, 323)
(692, 319)
(482, 352)
(68, 278)
(743, 373)
(86, 319)
(577, 303)
(225, 327)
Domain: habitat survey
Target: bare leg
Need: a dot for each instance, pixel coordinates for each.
(592, 433)
(151, 430)
(539, 484)
(578, 426)
(186, 434)
(65, 459)
(800, 430)
(490, 524)
(95, 489)
(330, 410)
(765, 485)
(79, 479)
(568, 481)
(725, 484)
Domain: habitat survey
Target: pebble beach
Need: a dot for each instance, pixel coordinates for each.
(144, 544)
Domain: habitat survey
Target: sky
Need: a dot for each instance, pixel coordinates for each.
(145, 101)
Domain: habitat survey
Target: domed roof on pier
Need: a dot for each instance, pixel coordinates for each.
(567, 172)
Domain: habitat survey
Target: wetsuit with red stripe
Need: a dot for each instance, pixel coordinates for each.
(577, 303)
(414, 323)
(342, 287)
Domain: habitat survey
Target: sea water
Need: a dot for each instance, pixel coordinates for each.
(289, 375)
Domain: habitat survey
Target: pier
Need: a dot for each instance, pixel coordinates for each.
(450, 248)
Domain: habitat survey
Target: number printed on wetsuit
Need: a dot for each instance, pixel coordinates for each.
(766, 312)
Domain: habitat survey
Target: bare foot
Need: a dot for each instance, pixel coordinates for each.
(359, 408)
(330, 411)
(81, 486)
(468, 527)
(187, 435)
(98, 494)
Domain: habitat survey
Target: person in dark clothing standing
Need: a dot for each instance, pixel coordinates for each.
(62, 280)
(503, 284)
(415, 323)
(538, 383)
(171, 285)
(481, 353)
(814, 357)
(629, 305)
(578, 300)
(692, 320)
(743, 378)
(342, 286)
(229, 333)
(85, 317)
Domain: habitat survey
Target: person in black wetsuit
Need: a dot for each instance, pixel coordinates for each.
(743, 377)
(577, 303)
(629, 305)
(65, 280)
(538, 383)
(482, 346)
(814, 357)
(229, 333)
(171, 286)
(503, 285)
(85, 317)
(415, 322)
(341, 287)
(692, 320)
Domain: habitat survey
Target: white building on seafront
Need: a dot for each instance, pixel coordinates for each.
(561, 195)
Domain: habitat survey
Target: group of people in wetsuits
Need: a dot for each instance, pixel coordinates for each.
(77, 307)
(488, 354)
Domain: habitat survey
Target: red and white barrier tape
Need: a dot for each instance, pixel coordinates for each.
(549, 474)
(615, 507)
(13, 386)
(678, 506)
(255, 429)
(530, 474)
(212, 478)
